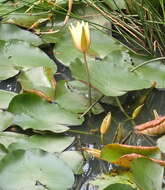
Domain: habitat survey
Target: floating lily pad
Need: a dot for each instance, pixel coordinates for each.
(3, 151)
(49, 143)
(5, 98)
(106, 76)
(26, 20)
(161, 143)
(38, 80)
(22, 54)
(12, 32)
(147, 174)
(112, 152)
(113, 182)
(7, 70)
(74, 160)
(34, 112)
(69, 99)
(6, 119)
(116, 5)
(72, 96)
(34, 170)
(66, 52)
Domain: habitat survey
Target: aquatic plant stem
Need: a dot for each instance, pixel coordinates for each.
(88, 78)
(90, 107)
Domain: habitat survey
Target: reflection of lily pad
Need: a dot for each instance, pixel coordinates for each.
(34, 170)
(34, 112)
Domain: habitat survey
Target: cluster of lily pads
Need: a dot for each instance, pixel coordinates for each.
(47, 107)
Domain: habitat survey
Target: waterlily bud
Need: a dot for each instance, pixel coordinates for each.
(137, 111)
(81, 36)
(105, 124)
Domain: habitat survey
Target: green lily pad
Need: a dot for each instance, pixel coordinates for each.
(5, 98)
(6, 119)
(147, 174)
(69, 99)
(18, 55)
(7, 138)
(118, 186)
(161, 143)
(72, 96)
(74, 160)
(117, 4)
(34, 112)
(3, 151)
(112, 152)
(66, 52)
(112, 181)
(26, 20)
(22, 54)
(106, 76)
(49, 143)
(36, 170)
(7, 70)
(37, 79)
(12, 32)
(153, 71)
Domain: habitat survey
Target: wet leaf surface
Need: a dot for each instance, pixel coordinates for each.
(151, 179)
(33, 112)
(5, 98)
(50, 143)
(6, 119)
(35, 170)
(12, 32)
(37, 80)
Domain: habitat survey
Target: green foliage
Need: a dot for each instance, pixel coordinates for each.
(147, 174)
(35, 170)
(33, 112)
(39, 161)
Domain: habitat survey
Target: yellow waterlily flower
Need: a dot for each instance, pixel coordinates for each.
(81, 36)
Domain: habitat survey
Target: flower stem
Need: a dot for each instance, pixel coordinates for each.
(88, 78)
